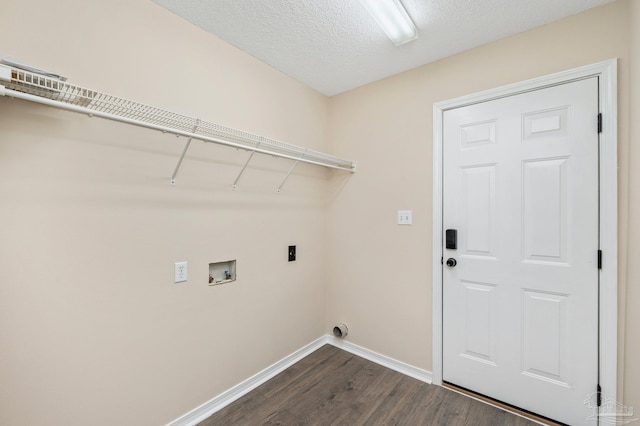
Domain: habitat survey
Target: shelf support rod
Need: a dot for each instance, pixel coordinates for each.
(184, 151)
(235, 182)
(347, 166)
(291, 170)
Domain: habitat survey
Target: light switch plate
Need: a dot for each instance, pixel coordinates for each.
(404, 217)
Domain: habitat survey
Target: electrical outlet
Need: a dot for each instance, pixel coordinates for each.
(180, 272)
(404, 217)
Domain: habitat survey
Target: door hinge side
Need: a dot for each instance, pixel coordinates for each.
(442, 260)
(599, 259)
(599, 395)
(599, 122)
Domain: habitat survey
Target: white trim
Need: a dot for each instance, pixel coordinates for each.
(205, 410)
(609, 230)
(607, 72)
(437, 260)
(385, 361)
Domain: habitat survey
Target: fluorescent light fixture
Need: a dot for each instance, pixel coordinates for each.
(393, 19)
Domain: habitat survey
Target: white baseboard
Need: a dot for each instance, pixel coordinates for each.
(200, 413)
(385, 361)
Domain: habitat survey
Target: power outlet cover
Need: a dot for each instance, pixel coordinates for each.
(404, 217)
(180, 272)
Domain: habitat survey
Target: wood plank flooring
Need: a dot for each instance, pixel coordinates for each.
(334, 387)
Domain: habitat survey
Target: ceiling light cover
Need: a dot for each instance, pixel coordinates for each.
(393, 19)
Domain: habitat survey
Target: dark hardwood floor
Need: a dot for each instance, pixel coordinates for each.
(334, 387)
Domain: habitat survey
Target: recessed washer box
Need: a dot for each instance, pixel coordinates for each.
(222, 272)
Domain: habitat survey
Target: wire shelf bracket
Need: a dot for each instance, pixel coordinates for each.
(289, 174)
(184, 152)
(51, 90)
(235, 182)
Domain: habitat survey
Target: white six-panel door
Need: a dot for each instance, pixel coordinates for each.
(520, 308)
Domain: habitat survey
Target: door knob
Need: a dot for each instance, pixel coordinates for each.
(451, 262)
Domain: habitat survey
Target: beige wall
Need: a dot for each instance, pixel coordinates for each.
(379, 280)
(92, 328)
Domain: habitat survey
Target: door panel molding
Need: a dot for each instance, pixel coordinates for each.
(608, 204)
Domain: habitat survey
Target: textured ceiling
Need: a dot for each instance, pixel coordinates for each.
(334, 45)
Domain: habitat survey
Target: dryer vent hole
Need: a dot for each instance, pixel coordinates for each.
(340, 331)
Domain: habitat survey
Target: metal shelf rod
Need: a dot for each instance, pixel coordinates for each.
(97, 113)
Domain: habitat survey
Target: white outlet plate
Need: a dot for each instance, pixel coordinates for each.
(404, 217)
(180, 272)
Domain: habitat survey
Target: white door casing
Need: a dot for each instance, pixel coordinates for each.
(479, 244)
(520, 308)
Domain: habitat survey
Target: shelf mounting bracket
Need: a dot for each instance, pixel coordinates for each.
(235, 182)
(184, 151)
(291, 170)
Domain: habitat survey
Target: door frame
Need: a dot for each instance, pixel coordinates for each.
(608, 204)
